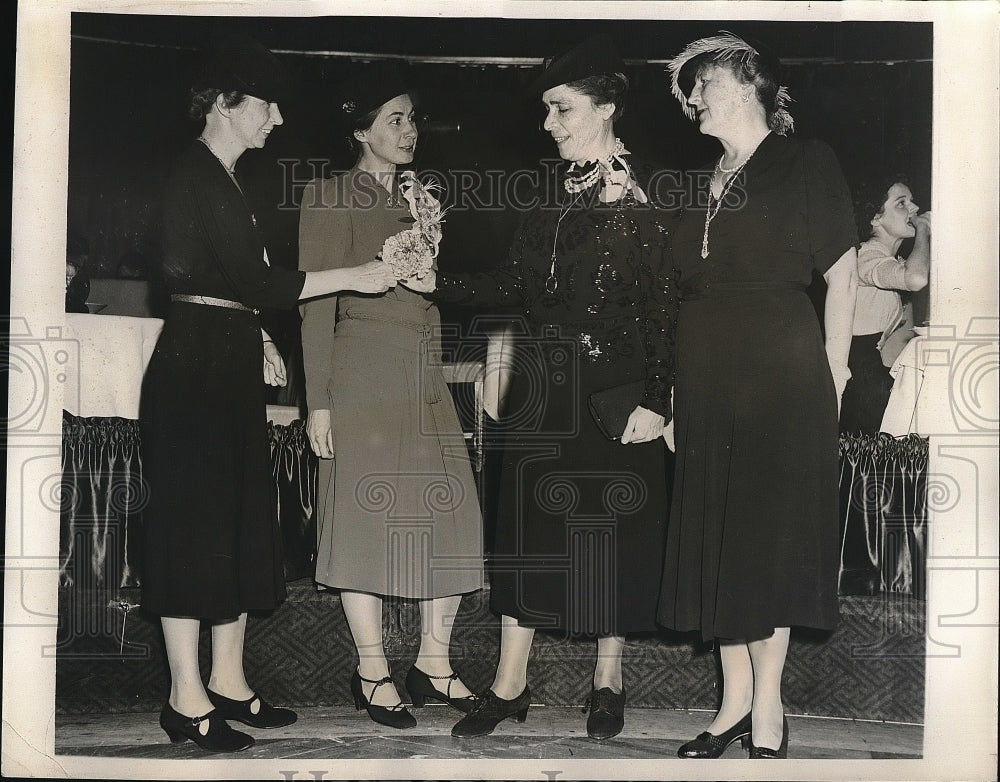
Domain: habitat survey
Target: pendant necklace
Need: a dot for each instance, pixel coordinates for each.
(709, 212)
(391, 191)
(551, 282)
(232, 175)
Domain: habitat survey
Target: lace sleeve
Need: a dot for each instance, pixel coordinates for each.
(503, 287)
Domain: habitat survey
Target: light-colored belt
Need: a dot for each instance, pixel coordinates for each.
(213, 302)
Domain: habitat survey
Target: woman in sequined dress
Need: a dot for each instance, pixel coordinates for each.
(581, 517)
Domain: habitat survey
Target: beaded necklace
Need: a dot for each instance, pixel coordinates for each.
(232, 175)
(592, 170)
(709, 212)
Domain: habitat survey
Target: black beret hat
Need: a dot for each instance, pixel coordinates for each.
(240, 63)
(376, 84)
(592, 57)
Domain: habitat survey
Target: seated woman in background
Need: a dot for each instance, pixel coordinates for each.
(883, 323)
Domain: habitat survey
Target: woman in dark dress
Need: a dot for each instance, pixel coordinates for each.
(752, 543)
(212, 545)
(581, 517)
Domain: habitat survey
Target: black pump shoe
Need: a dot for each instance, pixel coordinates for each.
(220, 737)
(764, 753)
(607, 713)
(490, 711)
(420, 687)
(267, 716)
(391, 716)
(708, 745)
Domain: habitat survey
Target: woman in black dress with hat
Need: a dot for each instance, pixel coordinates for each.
(582, 514)
(752, 543)
(212, 545)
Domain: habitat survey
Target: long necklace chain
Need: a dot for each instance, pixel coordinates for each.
(231, 172)
(709, 212)
(551, 283)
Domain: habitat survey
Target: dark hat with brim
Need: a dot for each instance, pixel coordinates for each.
(371, 87)
(241, 64)
(594, 56)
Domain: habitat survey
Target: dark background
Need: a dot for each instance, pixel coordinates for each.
(863, 87)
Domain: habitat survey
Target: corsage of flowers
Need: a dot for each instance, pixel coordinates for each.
(411, 253)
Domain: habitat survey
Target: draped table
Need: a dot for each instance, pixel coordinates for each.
(103, 491)
(884, 487)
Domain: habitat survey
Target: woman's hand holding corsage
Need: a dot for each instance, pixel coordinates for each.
(411, 253)
(425, 284)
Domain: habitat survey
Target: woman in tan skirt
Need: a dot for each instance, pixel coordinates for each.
(399, 514)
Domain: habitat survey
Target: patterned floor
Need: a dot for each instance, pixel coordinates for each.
(549, 732)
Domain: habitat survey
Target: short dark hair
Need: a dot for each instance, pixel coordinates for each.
(366, 121)
(203, 98)
(869, 197)
(604, 88)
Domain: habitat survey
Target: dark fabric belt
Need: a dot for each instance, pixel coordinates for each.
(211, 301)
(777, 285)
(730, 288)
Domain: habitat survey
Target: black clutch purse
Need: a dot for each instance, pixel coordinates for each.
(612, 407)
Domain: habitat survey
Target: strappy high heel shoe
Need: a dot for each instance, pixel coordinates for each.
(490, 711)
(420, 687)
(267, 716)
(219, 738)
(708, 745)
(391, 716)
(765, 753)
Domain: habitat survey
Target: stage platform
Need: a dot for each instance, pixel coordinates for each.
(338, 733)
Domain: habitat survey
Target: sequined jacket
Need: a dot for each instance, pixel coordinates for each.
(611, 278)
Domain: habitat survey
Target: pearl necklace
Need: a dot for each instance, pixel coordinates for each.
(592, 170)
(709, 212)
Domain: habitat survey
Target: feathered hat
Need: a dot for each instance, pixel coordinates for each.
(726, 47)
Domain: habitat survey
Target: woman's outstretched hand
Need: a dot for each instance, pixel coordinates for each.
(319, 430)
(642, 426)
(425, 285)
(274, 366)
(371, 277)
